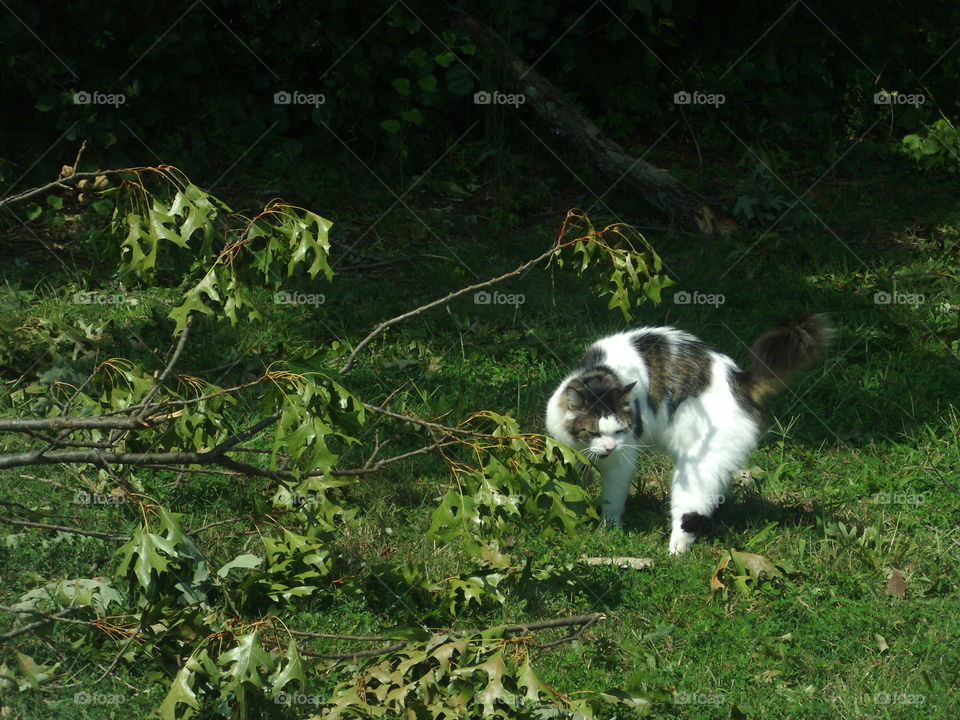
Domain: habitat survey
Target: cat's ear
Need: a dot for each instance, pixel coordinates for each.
(574, 397)
(625, 390)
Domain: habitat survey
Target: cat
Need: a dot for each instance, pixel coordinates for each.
(659, 386)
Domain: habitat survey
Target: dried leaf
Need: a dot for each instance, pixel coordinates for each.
(896, 585)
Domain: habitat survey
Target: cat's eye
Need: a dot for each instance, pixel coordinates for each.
(621, 431)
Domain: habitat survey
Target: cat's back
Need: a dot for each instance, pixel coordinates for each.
(643, 345)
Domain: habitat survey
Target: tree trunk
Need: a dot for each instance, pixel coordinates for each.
(655, 185)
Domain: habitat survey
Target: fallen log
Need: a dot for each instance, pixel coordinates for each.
(656, 185)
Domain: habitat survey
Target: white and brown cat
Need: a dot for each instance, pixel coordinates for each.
(659, 386)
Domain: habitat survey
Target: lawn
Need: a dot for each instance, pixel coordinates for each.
(853, 495)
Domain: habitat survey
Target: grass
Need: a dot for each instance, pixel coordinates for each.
(858, 476)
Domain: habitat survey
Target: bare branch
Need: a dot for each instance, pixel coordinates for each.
(76, 162)
(94, 422)
(61, 528)
(99, 458)
(58, 183)
(555, 623)
(427, 423)
(557, 244)
(583, 621)
(361, 653)
(144, 405)
(47, 619)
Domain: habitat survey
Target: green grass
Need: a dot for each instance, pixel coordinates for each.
(876, 421)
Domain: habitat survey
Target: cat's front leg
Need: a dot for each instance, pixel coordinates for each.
(616, 474)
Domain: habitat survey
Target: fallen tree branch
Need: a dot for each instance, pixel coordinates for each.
(94, 422)
(96, 457)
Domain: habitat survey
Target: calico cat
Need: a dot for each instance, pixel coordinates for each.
(659, 386)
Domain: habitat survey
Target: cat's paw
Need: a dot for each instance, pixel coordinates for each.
(612, 522)
(680, 542)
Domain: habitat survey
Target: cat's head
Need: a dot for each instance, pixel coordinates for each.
(599, 415)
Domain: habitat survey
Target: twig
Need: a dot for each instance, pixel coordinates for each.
(359, 654)
(58, 183)
(572, 636)
(158, 384)
(380, 464)
(555, 623)
(220, 522)
(61, 528)
(116, 658)
(76, 162)
(47, 618)
(333, 636)
(427, 423)
(584, 621)
(554, 247)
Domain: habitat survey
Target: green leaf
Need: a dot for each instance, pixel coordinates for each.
(445, 59)
(292, 669)
(391, 126)
(35, 673)
(413, 115)
(241, 561)
(87, 592)
(495, 668)
(245, 661)
(428, 83)
(402, 86)
(180, 693)
(528, 680)
(148, 552)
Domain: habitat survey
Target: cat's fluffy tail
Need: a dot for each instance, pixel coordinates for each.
(794, 345)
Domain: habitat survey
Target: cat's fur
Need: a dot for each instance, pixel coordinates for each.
(659, 386)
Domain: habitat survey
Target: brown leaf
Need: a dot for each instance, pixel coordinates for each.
(896, 585)
(715, 583)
